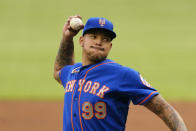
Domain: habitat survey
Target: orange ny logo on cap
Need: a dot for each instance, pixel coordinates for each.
(102, 22)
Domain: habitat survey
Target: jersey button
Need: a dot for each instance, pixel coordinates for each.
(74, 114)
(75, 98)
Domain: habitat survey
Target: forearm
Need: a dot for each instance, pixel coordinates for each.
(172, 119)
(65, 55)
(167, 113)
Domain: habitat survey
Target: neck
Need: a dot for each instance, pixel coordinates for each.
(86, 61)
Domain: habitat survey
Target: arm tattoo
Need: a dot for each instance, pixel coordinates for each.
(65, 54)
(167, 113)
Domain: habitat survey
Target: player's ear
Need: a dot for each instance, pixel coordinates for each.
(110, 45)
(81, 41)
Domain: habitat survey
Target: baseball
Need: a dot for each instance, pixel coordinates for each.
(75, 23)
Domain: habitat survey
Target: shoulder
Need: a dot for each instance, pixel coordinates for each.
(129, 71)
(68, 69)
(112, 65)
(132, 76)
(126, 73)
(123, 69)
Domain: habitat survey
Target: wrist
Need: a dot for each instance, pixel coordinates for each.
(67, 38)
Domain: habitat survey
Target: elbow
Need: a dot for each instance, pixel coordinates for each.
(56, 76)
(57, 70)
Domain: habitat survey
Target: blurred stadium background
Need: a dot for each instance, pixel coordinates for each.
(154, 37)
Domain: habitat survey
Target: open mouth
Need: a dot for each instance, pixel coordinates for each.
(97, 48)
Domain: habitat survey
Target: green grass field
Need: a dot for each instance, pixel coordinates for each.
(154, 37)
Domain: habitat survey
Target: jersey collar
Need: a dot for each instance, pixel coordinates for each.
(104, 61)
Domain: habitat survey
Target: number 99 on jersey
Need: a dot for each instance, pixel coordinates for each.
(98, 110)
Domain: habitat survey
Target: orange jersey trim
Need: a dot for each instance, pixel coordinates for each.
(81, 90)
(71, 108)
(147, 97)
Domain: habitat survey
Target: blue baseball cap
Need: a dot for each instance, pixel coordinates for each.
(99, 23)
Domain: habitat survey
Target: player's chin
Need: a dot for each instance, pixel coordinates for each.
(98, 57)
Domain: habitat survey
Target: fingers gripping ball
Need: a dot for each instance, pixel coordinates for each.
(76, 23)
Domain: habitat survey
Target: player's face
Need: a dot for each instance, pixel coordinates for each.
(96, 45)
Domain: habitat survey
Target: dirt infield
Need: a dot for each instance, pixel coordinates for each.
(47, 116)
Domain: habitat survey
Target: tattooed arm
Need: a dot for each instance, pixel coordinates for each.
(65, 55)
(167, 113)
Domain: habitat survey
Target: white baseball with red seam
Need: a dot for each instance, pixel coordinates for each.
(76, 23)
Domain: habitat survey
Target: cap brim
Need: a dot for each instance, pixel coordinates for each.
(109, 32)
